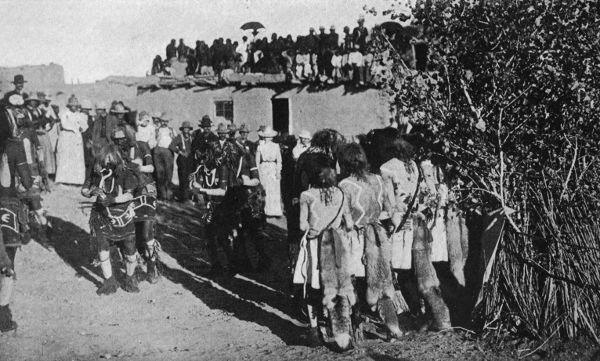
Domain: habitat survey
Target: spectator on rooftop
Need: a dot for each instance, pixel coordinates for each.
(348, 39)
(171, 50)
(157, 65)
(360, 33)
(181, 49)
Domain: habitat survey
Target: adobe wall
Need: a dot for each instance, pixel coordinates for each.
(38, 77)
(349, 113)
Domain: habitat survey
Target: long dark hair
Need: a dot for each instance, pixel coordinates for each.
(353, 161)
(323, 178)
(328, 141)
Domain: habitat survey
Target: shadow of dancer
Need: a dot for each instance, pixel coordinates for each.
(74, 245)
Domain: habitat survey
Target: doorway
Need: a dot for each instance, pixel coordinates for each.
(281, 114)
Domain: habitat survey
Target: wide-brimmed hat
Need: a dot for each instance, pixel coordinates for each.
(222, 129)
(33, 98)
(166, 117)
(304, 134)
(19, 79)
(119, 108)
(16, 100)
(268, 132)
(44, 98)
(73, 102)
(86, 104)
(186, 124)
(205, 121)
(101, 105)
(243, 128)
(156, 115)
(231, 128)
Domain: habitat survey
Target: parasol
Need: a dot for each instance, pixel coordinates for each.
(254, 26)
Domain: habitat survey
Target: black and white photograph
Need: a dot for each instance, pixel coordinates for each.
(337, 180)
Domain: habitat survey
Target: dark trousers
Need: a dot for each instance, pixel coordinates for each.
(163, 164)
(185, 167)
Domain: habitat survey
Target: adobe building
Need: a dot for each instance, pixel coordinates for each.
(288, 109)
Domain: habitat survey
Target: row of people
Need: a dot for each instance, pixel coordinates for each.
(323, 57)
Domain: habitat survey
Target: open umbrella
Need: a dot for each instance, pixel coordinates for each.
(254, 26)
(391, 27)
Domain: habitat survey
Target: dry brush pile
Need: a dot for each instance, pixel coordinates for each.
(511, 102)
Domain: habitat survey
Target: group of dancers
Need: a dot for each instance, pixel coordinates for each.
(355, 222)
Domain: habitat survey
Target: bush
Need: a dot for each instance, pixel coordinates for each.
(512, 99)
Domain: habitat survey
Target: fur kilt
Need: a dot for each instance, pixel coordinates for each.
(14, 221)
(114, 222)
(144, 205)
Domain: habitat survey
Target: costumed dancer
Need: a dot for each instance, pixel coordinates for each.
(412, 240)
(144, 205)
(268, 160)
(111, 218)
(369, 245)
(322, 208)
(14, 172)
(224, 157)
(241, 214)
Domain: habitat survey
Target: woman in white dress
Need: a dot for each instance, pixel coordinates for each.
(70, 165)
(268, 159)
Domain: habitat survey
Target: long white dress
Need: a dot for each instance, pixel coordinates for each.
(70, 165)
(268, 159)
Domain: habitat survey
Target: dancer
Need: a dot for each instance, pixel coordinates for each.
(369, 243)
(322, 208)
(111, 219)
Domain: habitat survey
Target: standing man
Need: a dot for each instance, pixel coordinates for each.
(182, 146)
(19, 83)
(88, 153)
(163, 157)
(247, 146)
(202, 138)
(359, 34)
(171, 50)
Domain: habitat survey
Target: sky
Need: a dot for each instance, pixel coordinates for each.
(93, 39)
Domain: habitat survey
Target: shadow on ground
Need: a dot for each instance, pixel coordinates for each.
(261, 298)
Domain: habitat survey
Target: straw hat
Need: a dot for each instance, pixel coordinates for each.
(101, 105)
(33, 98)
(304, 134)
(222, 129)
(231, 128)
(119, 108)
(243, 128)
(268, 132)
(16, 100)
(186, 124)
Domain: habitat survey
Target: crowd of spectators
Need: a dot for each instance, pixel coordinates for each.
(324, 57)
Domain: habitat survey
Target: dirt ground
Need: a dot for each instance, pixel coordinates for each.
(187, 315)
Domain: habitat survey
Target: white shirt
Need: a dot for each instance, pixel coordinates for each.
(356, 58)
(299, 149)
(164, 135)
(336, 61)
(74, 121)
(147, 134)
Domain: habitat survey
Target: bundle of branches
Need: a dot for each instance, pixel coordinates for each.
(512, 99)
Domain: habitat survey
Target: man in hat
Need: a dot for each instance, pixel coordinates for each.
(88, 154)
(202, 138)
(225, 156)
(163, 157)
(19, 83)
(182, 146)
(302, 145)
(242, 141)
